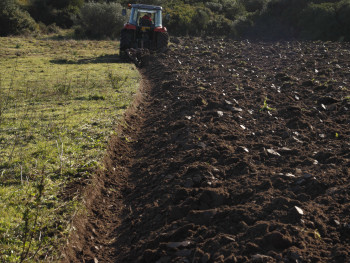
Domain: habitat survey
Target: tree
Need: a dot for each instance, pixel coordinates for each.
(100, 20)
(14, 20)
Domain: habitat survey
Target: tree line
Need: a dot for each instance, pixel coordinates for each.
(260, 19)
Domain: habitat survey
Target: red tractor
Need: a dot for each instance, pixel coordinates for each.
(144, 31)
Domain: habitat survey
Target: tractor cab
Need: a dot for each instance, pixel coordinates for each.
(145, 15)
(144, 29)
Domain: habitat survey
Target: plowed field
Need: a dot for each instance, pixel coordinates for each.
(233, 152)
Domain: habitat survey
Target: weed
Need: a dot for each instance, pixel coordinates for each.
(117, 81)
(62, 89)
(265, 106)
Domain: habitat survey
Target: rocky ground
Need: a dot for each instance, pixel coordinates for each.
(233, 152)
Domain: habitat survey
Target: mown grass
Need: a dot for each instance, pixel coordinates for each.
(59, 102)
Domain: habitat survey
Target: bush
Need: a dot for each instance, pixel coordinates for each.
(343, 11)
(215, 7)
(253, 5)
(14, 20)
(241, 27)
(232, 9)
(200, 21)
(180, 22)
(318, 21)
(219, 26)
(60, 12)
(100, 20)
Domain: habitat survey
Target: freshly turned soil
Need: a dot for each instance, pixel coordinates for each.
(234, 152)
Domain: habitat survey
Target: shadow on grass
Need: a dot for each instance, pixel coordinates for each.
(101, 59)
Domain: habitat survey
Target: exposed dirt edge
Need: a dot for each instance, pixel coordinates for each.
(104, 189)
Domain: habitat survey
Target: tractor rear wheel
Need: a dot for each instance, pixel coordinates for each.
(162, 41)
(125, 41)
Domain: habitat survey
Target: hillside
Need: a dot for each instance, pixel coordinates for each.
(258, 19)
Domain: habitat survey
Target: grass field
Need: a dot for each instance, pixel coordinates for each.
(59, 102)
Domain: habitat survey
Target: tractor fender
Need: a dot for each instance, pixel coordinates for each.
(129, 26)
(160, 29)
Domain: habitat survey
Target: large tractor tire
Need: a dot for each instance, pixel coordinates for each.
(126, 37)
(162, 41)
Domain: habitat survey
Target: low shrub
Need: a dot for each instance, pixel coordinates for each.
(180, 22)
(200, 21)
(219, 26)
(60, 12)
(253, 5)
(343, 15)
(14, 20)
(215, 7)
(100, 20)
(319, 21)
(233, 9)
(242, 27)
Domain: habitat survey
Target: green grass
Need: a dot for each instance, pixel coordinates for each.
(59, 102)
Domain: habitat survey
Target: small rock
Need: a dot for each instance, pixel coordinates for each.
(336, 222)
(290, 175)
(241, 149)
(273, 152)
(284, 150)
(202, 145)
(216, 170)
(220, 113)
(235, 109)
(299, 210)
(179, 244)
(228, 238)
(296, 212)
